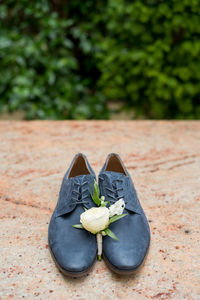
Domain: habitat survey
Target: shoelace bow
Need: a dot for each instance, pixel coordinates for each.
(78, 198)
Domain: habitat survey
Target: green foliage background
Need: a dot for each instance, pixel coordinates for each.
(64, 59)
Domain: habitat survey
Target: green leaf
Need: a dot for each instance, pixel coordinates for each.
(78, 226)
(116, 218)
(95, 194)
(96, 189)
(105, 203)
(111, 234)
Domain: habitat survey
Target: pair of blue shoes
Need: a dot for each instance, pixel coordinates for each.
(74, 251)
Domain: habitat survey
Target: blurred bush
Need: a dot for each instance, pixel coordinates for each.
(151, 57)
(62, 59)
(47, 60)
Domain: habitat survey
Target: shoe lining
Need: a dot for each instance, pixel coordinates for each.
(79, 167)
(114, 165)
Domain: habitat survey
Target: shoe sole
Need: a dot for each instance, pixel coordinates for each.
(69, 273)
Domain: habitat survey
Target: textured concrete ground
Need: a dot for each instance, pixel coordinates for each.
(164, 161)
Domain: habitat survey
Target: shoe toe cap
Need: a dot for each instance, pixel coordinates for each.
(129, 252)
(72, 261)
(127, 261)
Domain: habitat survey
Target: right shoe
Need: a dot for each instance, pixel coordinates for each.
(73, 250)
(126, 255)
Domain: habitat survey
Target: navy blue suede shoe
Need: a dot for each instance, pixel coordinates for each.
(126, 255)
(74, 251)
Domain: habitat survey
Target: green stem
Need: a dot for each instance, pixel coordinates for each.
(99, 245)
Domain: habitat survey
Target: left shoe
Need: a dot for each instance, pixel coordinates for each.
(126, 255)
(74, 251)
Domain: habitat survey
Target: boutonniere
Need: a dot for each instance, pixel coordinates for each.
(97, 219)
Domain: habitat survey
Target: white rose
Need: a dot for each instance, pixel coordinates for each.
(95, 219)
(117, 208)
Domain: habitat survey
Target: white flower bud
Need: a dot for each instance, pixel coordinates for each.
(117, 208)
(95, 219)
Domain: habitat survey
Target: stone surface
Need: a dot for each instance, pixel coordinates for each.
(164, 161)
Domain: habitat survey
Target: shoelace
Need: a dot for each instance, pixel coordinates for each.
(114, 191)
(78, 197)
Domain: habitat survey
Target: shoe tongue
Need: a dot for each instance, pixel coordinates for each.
(81, 178)
(114, 175)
